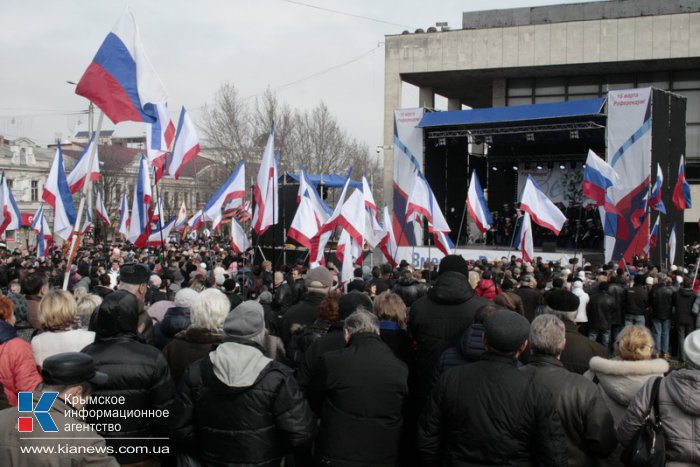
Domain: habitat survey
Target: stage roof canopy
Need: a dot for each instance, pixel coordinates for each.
(329, 180)
(514, 114)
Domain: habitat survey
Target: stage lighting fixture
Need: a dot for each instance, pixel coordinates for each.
(573, 134)
(539, 166)
(562, 166)
(494, 168)
(488, 139)
(583, 166)
(442, 142)
(529, 137)
(515, 167)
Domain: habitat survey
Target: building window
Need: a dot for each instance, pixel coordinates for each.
(10, 183)
(35, 190)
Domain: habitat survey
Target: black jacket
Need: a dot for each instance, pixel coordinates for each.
(437, 322)
(618, 292)
(601, 311)
(468, 350)
(532, 298)
(360, 390)
(300, 315)
(636, 301)
(408, 289)
(491, 413)
(176, 319)
(683, 302)
(283, 298)
(661, 301)
(140, 373)
(584, 415)
(333, 339)
(241, 408)
(398, 340)
(579, 350)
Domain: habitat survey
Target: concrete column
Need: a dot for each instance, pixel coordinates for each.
(392, 101)
(426, 98)
(454, 104)
(499, 92)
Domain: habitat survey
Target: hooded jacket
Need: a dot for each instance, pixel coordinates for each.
(438, 320)
(679, 407)
(601, 311)
(683, 301)
(468, 350)
(176, 319)
(17, 368)
(238, 407)
(187, 347)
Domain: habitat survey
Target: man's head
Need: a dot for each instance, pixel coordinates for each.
(118, 314)
(133, 277)
(319, 280)
(246, 321)
(71, 374)
(360, 321)
(279, 278)
(455, 263)
(36, 283)
(547, 336)
(506, 332)
(352, 301)
(562, 303)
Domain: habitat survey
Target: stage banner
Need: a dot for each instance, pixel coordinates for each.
(419, 256)
(629, 153)
(561, 186)
(408, 157)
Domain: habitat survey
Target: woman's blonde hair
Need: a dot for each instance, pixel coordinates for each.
(634, 343)
(57, 310)
(86, 306)
(388, 306)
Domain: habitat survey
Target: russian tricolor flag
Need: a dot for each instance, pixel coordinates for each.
(655, 200)
(653, 237)
(681, 192)
(233, 188)
(159, 139)
(598, 176)
(57, 195)
(80, 173)
(476, 203)
(10, 216)
(121, 80)
(100, 208)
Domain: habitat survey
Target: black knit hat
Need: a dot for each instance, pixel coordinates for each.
(562, 300)
(453, 263)
(349, 303)
(506, 330)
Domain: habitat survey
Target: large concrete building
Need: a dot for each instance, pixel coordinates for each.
(551, 54)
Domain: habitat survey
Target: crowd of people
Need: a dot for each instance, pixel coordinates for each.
(194, 357)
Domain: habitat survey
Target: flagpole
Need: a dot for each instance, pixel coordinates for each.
(161, 214)
(81, 208)
(512, 238)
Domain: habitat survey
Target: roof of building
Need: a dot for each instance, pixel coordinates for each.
(103, 134)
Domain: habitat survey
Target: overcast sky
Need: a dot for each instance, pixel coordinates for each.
(195, 46)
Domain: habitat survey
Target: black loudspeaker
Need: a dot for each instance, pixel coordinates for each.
(275, 235)
(549, 247)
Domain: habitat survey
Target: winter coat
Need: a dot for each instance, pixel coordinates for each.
(408, 289)
(300, 315)
(437, 322)
(584, 415)
(661, 301)
(187, 347)
(619, 380)
(50, 343)
(619, 292)
(17, 369)
(491, 413)
(579, 350)
(333, 339)
(679, 407)
(683, 301)
(532, 298)
(360, 391)
(601, 311)
(470, 348)
(176, 319)
(33, 315)
(283, 298)
(140, 373)
(511, 300)
(486, 288)
(398, 340)
(583, 299)
(636, 301)
(89, 446)
(301, 340)
(238, 407)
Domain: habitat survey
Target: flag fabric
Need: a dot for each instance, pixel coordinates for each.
(653, 237)
(57, 195)
(140, 216)
(100, 208)
(80, 173)
(523, 238)
(239, 239)
(655, 200)
(181, 216)
(423, 205)
(598, 176)
(124, 218)
(352, 216)
(43, 234)
(156, 237)
(121, 80)
(233, 188)
(319, 206)
(319, 241)
(388, 244)
(305, 223)
(443, 242)
(369, 198)
(159, 139)
(87, 225)
(681, 191)
(186, 145)
(265, 189)
(671, 245)
(542, 210)
(476, 204)
(374, 232)
(348, 252)
(10, 216)
(196, 220)
(157, 211)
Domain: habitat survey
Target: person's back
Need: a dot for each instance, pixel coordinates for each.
(305, 311)
(532, 298)
(490, 413)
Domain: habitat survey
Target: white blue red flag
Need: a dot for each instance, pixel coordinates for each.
(186, 145)
(43, 234)
(306, 223)
(140, 215)
(653, 236)
(121, 80)
(319, 241)
(10, 216)
(196, 221)
(100, 208)
(374, 232)
(156, 237)
(352, 216)
(233, 188)
(157, 211)
(681, 191)
(265, 189)
(598, 176)
(543, 211)
(422, 204)
(388, 244)
(124, 218)
(476, 204)
(87, 225)
(239, 239)
(80, 173)
(159, 139)
(523, 238)
(319, 206)
(57, 195)
(655, 200)
(181, 216)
